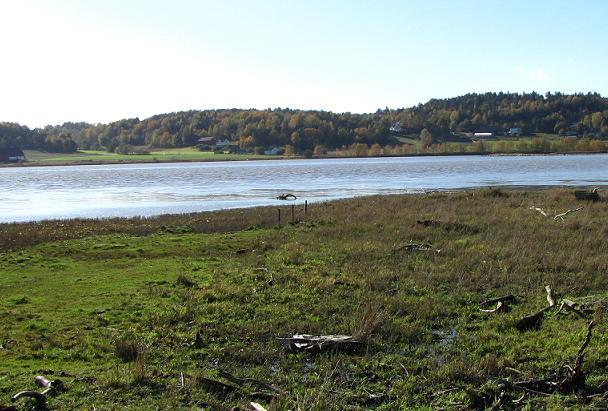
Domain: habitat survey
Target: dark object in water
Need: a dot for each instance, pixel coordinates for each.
(587, 195)
(286, 197)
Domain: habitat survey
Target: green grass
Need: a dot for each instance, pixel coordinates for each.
(160, 155)
(79, 300)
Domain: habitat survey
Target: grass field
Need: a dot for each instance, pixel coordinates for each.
(146, 313)
(161, 155)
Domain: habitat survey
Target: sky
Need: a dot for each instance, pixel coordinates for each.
(102, 61)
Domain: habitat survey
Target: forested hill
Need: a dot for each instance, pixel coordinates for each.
(584, 115)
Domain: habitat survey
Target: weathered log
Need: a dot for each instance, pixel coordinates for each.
(534, 320)
(574, 379)
(587, 195)
(214, 385)
(500, 307)
(254, 406)
(580, 355)
(572, 306)
(318, 343)
(510, 298)
(550, 296)
(415, 247)
(531, 321)
(56, 385)
(566, 380)
(287, 196)
(448, 226)
(38, 397)
(562, 215)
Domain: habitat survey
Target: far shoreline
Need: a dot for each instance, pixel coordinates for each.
(26, 163)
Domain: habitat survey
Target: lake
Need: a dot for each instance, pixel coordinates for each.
(126, 190)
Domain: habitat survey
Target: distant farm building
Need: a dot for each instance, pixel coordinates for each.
(206, 143)
(485, 131)
(514, 132)
(217, 145)
(396, 128)
(11, 155)
(275, 151)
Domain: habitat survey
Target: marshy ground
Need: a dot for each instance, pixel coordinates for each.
(148, 313)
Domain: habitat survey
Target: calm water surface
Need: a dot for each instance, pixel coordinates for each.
(36, 193)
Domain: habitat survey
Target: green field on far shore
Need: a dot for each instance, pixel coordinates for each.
(34, 157)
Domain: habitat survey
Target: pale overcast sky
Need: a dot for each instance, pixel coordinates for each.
(100, 61)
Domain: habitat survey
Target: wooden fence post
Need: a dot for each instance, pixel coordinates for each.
(305, 206)
(279, 217)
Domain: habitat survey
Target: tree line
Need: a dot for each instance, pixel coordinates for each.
(437, 122)
(17, 136)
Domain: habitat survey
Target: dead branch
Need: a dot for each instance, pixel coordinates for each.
(287, 196)
(532, 321)
(252, 381)
(562, 215)
(587, 195)
(214, 385)
(510, 298)
(567, 379)
(540, 210)
(254, 406)
(448, 226)
(40, 398)
(580, 355)
(522, 386)
(500, 307)
(550, 296)
(574, 378)
(415, 247)
(572, 306)
(318, 343)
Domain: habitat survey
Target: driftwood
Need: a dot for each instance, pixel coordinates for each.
(565, 306)
(540, 210)
(572, 306)
(510, 299)
(534, 320)
(501, 307)
(587, 195)
(287, 196)
(562, 215)
(566, 379)
(576, 376)
(51, 387)
(448, 226)
(215, 385)
(415, 247)
(254, 406)
(318, 343)
(550, 296)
